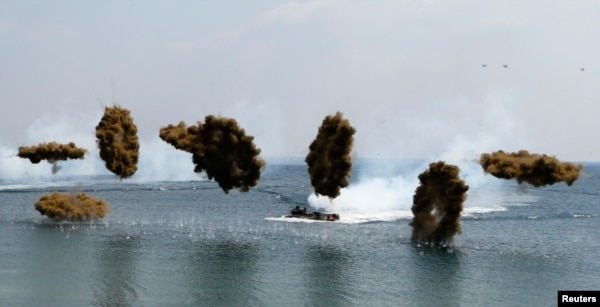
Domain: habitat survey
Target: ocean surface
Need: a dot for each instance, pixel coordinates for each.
(178, 243)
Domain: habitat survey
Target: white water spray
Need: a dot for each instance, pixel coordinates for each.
(389, 198)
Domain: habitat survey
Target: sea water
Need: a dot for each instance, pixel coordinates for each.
(177, 243)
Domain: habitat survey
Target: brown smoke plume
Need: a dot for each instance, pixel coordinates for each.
(118, 141)
(51, 152)
(182, 137)
(437, 204)
(328, 159)
(73, 207)
(537, 170)
(220, 148)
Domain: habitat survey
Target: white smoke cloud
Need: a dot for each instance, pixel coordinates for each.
(160, 161)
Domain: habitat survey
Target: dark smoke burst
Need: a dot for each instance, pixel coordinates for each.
(329, 162)
(182, 137)
(118, 141)
(73, 207)
(537, 170)
(437, 204)
(51, 152)
(220, 148)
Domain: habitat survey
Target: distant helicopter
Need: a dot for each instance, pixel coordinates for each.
(485, 65)
(506, 66)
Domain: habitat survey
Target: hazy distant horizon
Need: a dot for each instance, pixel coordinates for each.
(417, 79)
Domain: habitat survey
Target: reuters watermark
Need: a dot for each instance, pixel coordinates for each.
(578, 298)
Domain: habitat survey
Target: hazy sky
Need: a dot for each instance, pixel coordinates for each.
(407, 74)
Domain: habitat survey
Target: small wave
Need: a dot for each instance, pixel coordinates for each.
(367, 217)
(470, 211)
(350, 217)
(293, 220)
(582, 215)
(360, 217)
(25, 187)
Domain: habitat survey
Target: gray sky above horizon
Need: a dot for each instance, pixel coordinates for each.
(408, 74)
